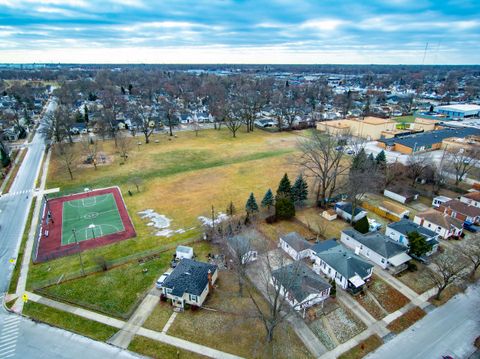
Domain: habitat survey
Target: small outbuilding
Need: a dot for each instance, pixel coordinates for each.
(184, 252)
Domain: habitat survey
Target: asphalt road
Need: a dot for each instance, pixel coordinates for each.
(21, 337)
(448, 330)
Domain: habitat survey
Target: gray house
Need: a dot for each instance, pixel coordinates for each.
(398, 231)
(378, 248)
(301, 286)
(190, 282)
(295, 245)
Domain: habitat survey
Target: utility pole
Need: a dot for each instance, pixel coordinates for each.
(79, 252)
(213, 221)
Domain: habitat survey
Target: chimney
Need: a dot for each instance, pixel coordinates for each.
(210, 282)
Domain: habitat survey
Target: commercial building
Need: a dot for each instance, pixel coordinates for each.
(459, 111)
(371, 128)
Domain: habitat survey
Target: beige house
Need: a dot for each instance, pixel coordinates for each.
(371, 128)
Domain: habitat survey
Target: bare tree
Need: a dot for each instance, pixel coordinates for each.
(440, 172)
(136, 181)
(144, 119)
(124, 145)
(56, 124)
(470, 249)
(448, 268)
(90, 149)
(461, 161)
(67, 155)
(417, 163)
(232, 121)
(322, 159)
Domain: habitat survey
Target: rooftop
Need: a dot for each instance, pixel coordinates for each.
(440, 219)
(462, 208)
(296, 241)
(377, 242)
(189, 276)
(459, 107)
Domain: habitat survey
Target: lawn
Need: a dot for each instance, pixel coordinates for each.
(158, 350)
(235, 330)
(344, 324)
(363, 348)
(159, 317)
(312, 218)
(387, 296)
(406, 119)
(182, 178)
(71, 322)
(117, 291)
(406, 320)
(417, 280)
(275, 230)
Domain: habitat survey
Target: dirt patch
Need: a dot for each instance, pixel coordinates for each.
(406, 320)
(387, 296)
(103, 159)
(345, 325)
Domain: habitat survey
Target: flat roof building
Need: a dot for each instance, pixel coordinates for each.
(459, 110)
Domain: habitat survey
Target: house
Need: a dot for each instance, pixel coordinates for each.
(301, 286)
(394, 209)
(295, 245)
(14, 133)
(461, 211)
(189, 283)
(264, 123)
(437, 201)
(398, 231)
(471, 198)
(78, 128)
(329, 214)
(344, 210)
(242, 246)
(369, 127)
(439, 223)
(401, 194)
(184, 252)
(340, 264)
(378, 248)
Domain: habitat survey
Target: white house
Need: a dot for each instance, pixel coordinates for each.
(184, 252)
(398, 231)
(471, 198)
(301, 286)
(241, 246)
(440, 223)
(189, 283)
(377, 248)
(340, 264)
(401, 194)
(344, 210)
(439, 200)
(295, 245)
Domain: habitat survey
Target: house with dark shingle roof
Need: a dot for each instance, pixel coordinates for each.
(190, 282)
(398, 231)
(462, 211)
(342, 265)
(344, 210)
(377, 248)
(301, 286)
(471, 198)
(295, 245)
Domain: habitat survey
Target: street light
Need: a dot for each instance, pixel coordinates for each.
(79, 251)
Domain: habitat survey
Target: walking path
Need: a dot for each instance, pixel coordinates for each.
(123, 338)
(169, 322)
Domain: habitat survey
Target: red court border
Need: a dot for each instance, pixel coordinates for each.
(51, 247)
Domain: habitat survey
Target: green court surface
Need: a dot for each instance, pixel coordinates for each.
(89, 218)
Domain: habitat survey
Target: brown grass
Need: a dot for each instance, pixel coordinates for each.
(446, 295)
(363, 348)
(312, 217)
(370, 305)
(158, 350)
(388, 297)
(418, 280)
(275, 230)
(406, 320)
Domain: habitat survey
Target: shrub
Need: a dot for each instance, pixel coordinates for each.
(101, 262)
(284, 207)
(362, 225)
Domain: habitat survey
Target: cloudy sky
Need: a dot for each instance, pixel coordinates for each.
(242, 31)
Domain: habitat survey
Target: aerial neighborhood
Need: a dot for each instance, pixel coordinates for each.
(240, 210)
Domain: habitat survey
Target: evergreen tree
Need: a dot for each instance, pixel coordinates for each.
(85, 116)
(285, 187)
(268, 200)
(4, 157)
(284, 207)
(371, 158)
(359, 160)
(300, 190)
(251, 206)
(381, 159)
(78, 117)
(333, 290)
(418, 244)
(231, 209)
(362, 225)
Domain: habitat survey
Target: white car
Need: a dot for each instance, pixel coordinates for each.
(161, 280)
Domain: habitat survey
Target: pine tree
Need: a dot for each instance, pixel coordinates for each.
(300, 190)
(231, 209)
(359, 160)
(268, 201)
(284, 207)
(251, 206)
(85, 111)
(418, 244)
(381, 158)
(362, 225)
(285, 187)
(4, 157)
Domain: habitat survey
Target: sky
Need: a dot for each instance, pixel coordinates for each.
(240, 31)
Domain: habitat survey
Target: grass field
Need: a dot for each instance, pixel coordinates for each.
(406, 119)
(91, 217)
(157, 350)
(182, 178)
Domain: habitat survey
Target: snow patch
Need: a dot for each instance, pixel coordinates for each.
(161, 222)
(206, 221)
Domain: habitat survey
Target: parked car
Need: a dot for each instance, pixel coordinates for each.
(469, 226)
(161, 280)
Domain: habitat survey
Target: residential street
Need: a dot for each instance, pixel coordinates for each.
(20, 337)
(448, 330)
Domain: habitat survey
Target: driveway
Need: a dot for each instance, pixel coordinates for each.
(448, 330)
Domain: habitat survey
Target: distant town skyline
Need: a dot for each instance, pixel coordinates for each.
(226, 31)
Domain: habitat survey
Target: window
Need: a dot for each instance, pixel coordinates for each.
(193, 298)
(383, 260)
(329, 270)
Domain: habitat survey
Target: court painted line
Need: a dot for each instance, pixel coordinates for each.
(9, 325)
(11, 319)
(11, 342)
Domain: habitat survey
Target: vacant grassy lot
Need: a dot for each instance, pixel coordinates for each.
(71, 322)
(157, 350)
(312, 218)
(275, 230)
(229, 326)
(362, 349)
(117, 291)
(406, 320)
(406, 119)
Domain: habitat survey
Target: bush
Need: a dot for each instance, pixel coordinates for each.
(284, 207)
(271, 219)
(362, 225)
(102, 263)
(412, 267)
